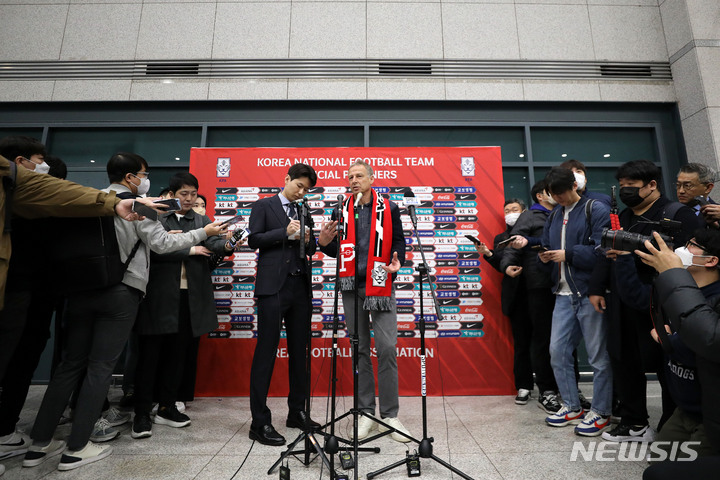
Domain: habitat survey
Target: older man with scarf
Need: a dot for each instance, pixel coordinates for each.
(373, 222)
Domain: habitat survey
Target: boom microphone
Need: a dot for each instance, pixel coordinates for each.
(307, 198)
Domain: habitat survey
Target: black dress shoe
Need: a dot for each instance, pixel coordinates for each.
(267, 435)
(299, 419)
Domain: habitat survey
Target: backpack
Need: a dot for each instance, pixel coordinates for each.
(86, 254)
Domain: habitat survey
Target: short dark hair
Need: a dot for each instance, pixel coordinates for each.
(300, 170)
(709, 239)
(572, 163)
(203, 198)
(559, 180)
(19, 146)
(123, 163)
(539, 187)
(58, 169)
(164, 191)
(705, 174)
(183, 178)
(508, 201)
(644, 170)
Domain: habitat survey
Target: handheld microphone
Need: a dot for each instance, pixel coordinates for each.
(307, 198)
(357, 200)
(411, 202)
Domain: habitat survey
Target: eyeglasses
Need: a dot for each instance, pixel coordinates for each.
(144, 174)
(33, 161)
(690, 242)
(687, 185)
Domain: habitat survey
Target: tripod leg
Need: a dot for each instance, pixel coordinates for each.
(385, 469)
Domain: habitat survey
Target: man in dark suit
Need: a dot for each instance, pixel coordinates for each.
(283, 292)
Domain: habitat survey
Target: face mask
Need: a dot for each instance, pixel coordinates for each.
(630, 196)
(551, 200)
(511, 218)
(143, 187)
(199, 210)
(687, 257)
(580, 179)
(42, 168)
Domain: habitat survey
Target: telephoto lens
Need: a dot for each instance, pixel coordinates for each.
(629, 241)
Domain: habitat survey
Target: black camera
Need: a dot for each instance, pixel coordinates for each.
(629, 241)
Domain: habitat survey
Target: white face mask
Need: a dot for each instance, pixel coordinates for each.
(199, 210)
(143, 187)
(551, 200)
(511, 218)
(687, 257)
(580, 179)
(42, 168)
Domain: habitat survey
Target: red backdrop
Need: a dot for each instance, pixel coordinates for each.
(461, 190)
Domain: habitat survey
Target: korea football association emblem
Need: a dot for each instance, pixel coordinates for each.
(379, 276)
(223, 167)
(467, 166)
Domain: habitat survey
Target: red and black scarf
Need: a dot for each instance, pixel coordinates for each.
(378, 284)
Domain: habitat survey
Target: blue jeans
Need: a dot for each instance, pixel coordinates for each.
(575, 318)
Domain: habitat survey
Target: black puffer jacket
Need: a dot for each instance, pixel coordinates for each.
(698, 324)
(530, 225)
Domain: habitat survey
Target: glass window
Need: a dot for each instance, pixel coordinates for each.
(516, 183)
(511, 140)
(92, 147)
(285, 137)
(590, 145)
(24, 132)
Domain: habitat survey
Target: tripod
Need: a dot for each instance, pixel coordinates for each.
(308, 434)
(425, 448)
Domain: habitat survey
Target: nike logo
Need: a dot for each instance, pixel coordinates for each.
(637, 433)
(443, 225)
(463, 197)
(446, 302)
(18, 444)
(226, 190)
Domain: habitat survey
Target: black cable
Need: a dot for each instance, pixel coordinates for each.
(244, 460)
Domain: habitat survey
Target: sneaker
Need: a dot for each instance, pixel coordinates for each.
(629, 433)
(180, 406)
(564, 417)
(549, 402)
(103, 431)
(142, 426)
(593, 424)
(523, 396)
(89, 454)
(14, 444)
(584, 402)
(37, 455)
(365, 426)
(397, 425)
(171, 417)
(115, 417)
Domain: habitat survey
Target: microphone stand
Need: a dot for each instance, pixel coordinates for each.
(425, 448)
(307, 434)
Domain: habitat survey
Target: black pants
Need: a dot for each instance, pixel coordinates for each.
(522, 332)
(161, 361)
(638, 354)
(699, 469)
(24, 360)
(12, 324)
(292, 304)
(541, 302)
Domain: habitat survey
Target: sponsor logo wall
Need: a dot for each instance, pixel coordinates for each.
(460, 191)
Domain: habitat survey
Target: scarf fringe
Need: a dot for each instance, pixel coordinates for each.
(347, 283)
(377, 304)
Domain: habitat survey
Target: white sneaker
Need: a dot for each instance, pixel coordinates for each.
(397, 425)
(115, 417)
(103, 431)
(37, 455)
(180, 406)
(14, 444)
(89, 454)
(365, 426)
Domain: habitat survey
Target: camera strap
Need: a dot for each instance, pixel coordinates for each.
(658, 319)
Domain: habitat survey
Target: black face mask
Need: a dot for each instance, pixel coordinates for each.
(630, 196)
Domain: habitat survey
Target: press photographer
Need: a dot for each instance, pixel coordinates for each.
(688, 292)
(621, 286)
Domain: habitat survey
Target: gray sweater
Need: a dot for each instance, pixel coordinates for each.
(153, 237)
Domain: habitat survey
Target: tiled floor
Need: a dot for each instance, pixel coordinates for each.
(484, 437)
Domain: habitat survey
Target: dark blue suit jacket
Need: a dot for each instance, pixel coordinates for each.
(268, 223)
